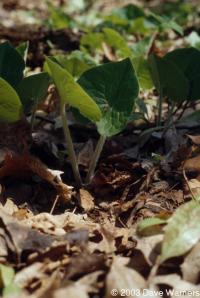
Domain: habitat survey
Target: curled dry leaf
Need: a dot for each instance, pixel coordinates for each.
(9, 207)
(26, 165)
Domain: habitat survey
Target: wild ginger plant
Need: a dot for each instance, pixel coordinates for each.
(18, 94)
(104, 94)
(177, 77)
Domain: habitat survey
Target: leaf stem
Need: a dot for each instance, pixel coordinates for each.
(71, 152)
(33, 117)
(169, 121)
(95, 158)
(160, 102)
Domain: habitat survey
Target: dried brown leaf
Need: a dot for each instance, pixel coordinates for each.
(180, 287)
(122, 277)
(191, 265)
(25, 166)
(80, 288)
(86, 200)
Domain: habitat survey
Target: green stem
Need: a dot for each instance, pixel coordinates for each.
(95, 158)
(33, 116)
(160, 102)
(71, 152)
(169, 121)
(170, 113)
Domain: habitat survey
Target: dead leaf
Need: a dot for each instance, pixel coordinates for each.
(86, 200)
(48, 223)
(122, 277)
(9, 207)
(85, 154)
(19, 238)
(195, 139)
(192, 164)
(80, 288)
(191, 265)
(180, 287)
(25, 166)
(194, 186)
(147, 246)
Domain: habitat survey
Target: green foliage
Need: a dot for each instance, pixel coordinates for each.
(142, 25)
(10, 104)
(23, 50)
(58, 19)
(76, 63)
(123, 17)
(129, 12)
(71, 92)
(150, 226)
(6, 275)
(141, 48)
(168, 78)
(164, 22)
(6, 281)
(114, 87)
(135, 20)
(12, 64)
(188, 61)
(194, 116)
(32, 89)
(142, 70)
(93, 41)
(117, 42)
(182, 231)
(181, 11)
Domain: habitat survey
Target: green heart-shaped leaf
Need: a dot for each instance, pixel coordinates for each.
(71, 92)
(188, 60)
(114, 87)
(168, 78)
(32, 89)
(143, 72)
(10, 104)
(116, 41)
(12, 64)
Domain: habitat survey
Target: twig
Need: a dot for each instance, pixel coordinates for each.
(188, 185)
(54, 204)
(95, 158)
